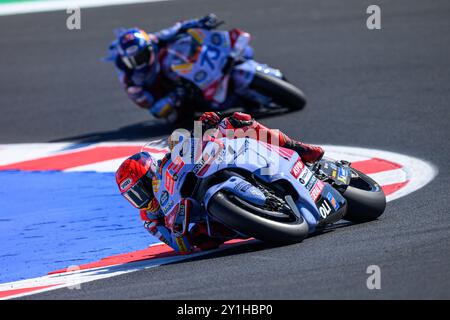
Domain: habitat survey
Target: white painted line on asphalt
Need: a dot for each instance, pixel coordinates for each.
(389, 177)
(55, 5)
(419, 172)
(72, 279)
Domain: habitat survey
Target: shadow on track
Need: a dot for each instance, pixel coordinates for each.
(139, 131)
(256, 245)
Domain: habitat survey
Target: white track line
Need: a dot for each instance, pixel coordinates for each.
(385, 178)
(12, 153)
(73, 279)
(56, 5)
(103, 166)
(419, 172)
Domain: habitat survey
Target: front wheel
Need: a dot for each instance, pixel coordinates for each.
(260, 223)
(366, 200)
(283, 93)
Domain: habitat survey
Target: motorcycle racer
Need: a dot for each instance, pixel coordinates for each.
(139, 177)
(143, 61)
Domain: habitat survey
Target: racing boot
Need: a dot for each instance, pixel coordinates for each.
(307, 152)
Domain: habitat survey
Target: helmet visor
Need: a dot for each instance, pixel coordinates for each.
(140, 59)
(140, 194)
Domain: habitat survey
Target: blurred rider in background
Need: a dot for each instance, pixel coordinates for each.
(143, 61)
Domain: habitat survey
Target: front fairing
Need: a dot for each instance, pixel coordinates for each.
(317, 201)
(203, 67)
(268, 162)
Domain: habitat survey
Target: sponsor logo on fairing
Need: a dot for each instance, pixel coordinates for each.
(311, 183)
(243, 186)
(164, 197)
(332, 200)
(305, 176)
(166, 208)
(317, 190)
(200, 76)
(325, 209)
(297, 168)
(330, 165)
(216, 39)
(342, 175)
(198, 166)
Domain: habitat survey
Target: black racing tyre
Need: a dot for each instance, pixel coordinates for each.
(225, 209)
(366, 200)
(282, 92)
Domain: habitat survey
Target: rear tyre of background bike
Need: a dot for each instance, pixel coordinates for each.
(366, 200)
(282, 92)
(222, 208)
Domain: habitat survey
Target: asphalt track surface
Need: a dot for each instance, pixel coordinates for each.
(386, 89)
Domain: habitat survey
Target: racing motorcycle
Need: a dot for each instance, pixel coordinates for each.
(206, 73)
(262, 191)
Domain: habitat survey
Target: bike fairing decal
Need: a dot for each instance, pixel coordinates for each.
(52, 218)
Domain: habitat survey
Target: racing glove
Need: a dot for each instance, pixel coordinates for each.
(209, 120)
(240, 120)
(210, 21)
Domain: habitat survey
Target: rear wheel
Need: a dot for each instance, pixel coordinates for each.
(271, 224)
(283, 93)
(365, 198)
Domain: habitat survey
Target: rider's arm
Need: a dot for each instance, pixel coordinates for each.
(166, 35)
(137, 94)
(155, 226)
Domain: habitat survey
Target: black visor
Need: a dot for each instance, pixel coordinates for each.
(142, 57)
(139, 60)
(140, 194)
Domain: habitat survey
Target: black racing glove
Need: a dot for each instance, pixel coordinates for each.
(210, 21)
